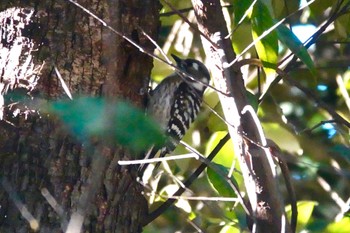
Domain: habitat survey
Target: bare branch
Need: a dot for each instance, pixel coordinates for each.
(255, 161)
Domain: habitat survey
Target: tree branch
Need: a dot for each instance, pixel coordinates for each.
(256, 162)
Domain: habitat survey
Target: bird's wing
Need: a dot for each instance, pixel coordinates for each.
(184, 110)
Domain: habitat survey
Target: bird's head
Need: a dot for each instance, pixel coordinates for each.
(196, 70)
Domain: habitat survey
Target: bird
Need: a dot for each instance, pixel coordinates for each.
(175, 103)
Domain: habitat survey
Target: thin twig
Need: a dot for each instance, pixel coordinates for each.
(307, 44)
(184, 10)
(189, 23)
(153, 215)
(157, 160)
(343, 90)
(156, 44)
(213, 199)
(318, 125)
(336, 117)
(22, 208)
(63, 83)
(319, 102)
(171, 13)
(246, 13)
(276, 152)
(142, 50)
(264, 34)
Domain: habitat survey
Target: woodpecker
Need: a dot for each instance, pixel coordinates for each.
(176, 101)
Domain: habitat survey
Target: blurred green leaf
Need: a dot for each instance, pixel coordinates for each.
(226, 155)
(119, 121)
(306, 168)
(282, 137)
(282, 8)
(342, 26)
(84, 116)
(214, 122)
(267, 47)
(305, 209)
(133, 129)
(342, 150)
(219, 182)
(339, 227)
(230, 229)
(180, 203)
(288, 38)
(239, 9)
(243, 31)
(253, 100)
(319, 7)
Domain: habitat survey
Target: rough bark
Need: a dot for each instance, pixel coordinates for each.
(43, 167)
(255, 161)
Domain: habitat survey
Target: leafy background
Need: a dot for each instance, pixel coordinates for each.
(315, 147)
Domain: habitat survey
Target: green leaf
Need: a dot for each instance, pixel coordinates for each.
(133, 129)
(267, 47)
(253, 100)
(239, 9)
(342, 26)
(180, 203)
(339, 227)
(114, 121)
(219, 183)
(288, 38)
(282, 8)
(226, 155)
(342, 151)
(230, 229)
(214, 122)
(305, 209)
(286, 140)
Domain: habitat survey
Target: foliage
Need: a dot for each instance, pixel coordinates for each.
(115, 121)
(300, 90)
(315, 145)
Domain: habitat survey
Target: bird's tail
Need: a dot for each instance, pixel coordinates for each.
(157, 152)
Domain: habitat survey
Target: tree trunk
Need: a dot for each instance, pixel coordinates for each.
(51, 181)
(244, 127)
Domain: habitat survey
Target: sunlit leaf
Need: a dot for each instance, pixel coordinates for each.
(267, 47)
(288, 38)
(230, 229)
(192, 215)
(226, 155)
(342, 26)
(282, 8)
(282, 137)
(339, 227)
(243, 31)
(219, 182)
(181, 203)
(305, 209)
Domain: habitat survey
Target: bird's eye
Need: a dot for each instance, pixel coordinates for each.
(195, 66)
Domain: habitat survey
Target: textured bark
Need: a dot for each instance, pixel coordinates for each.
(41, 163)
(255, 161)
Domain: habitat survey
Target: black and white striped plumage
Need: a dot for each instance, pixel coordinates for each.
(176, 101)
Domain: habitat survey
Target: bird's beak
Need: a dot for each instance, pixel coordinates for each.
(177, 59)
